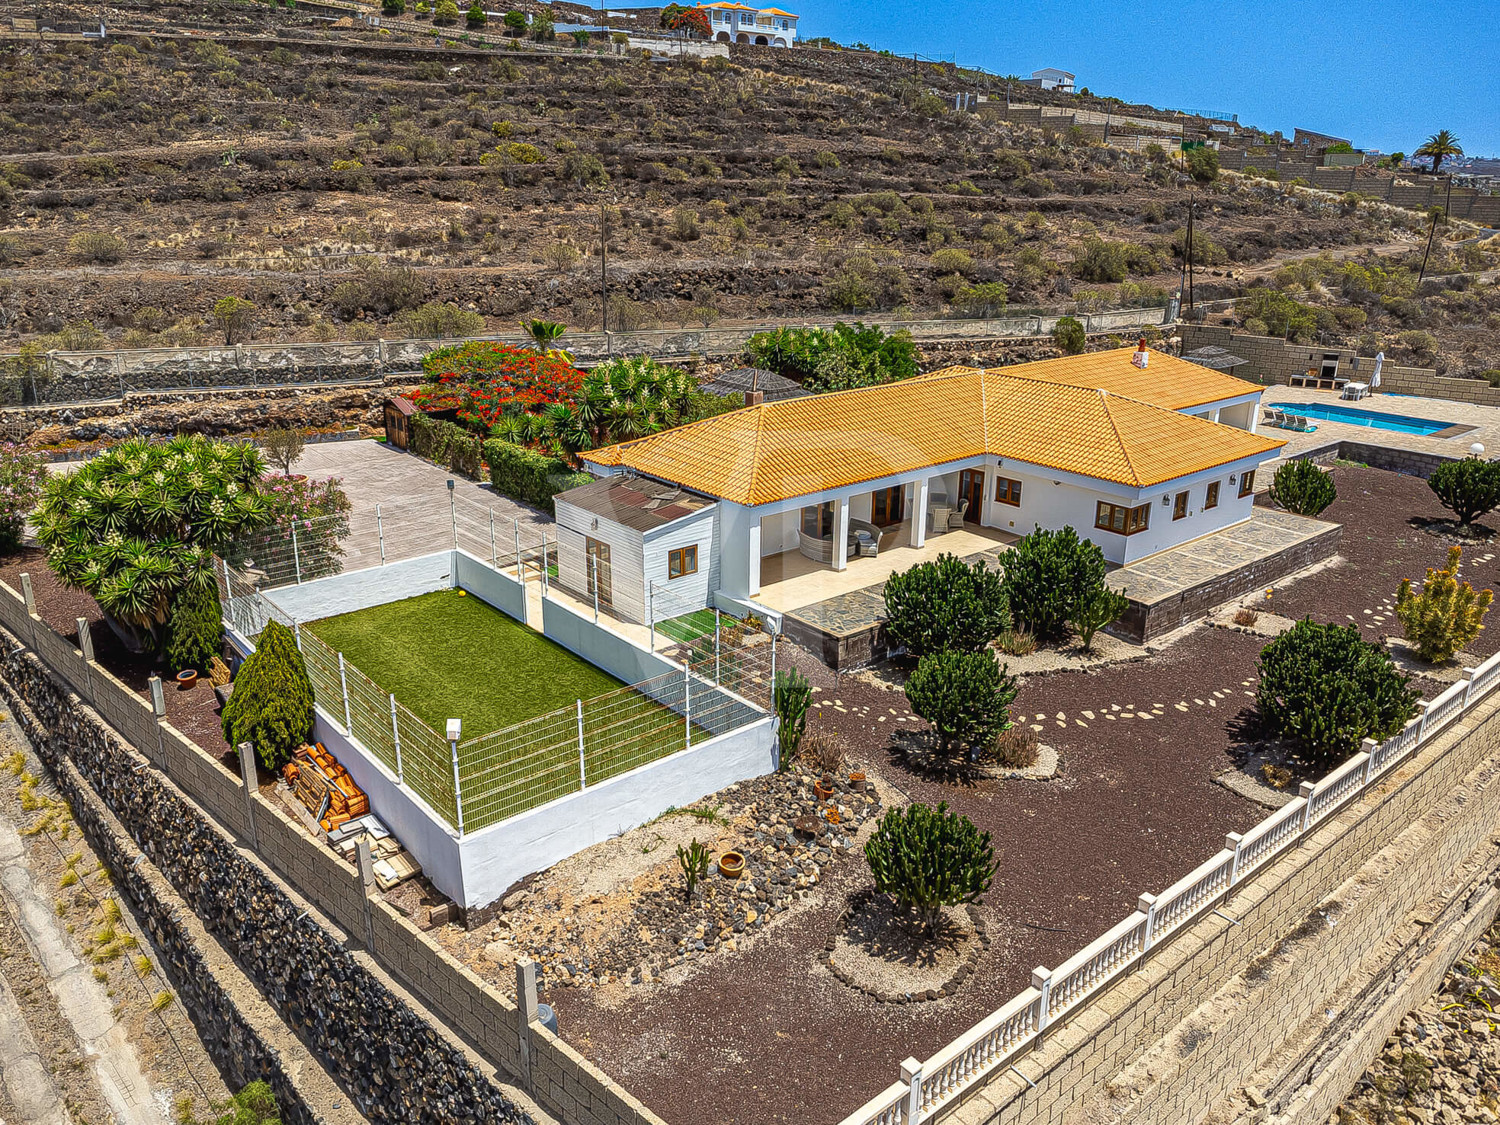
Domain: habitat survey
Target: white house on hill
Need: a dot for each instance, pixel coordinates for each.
(762, 27)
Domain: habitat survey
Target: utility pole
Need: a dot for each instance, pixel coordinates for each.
(604, 266)
(1433, 231)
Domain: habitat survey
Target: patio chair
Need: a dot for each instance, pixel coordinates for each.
(956, 518)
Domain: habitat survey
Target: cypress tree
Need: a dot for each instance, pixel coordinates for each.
(195, 630)
(272, 703)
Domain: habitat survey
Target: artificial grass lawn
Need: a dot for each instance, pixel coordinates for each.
(449, 655)
(688, 627)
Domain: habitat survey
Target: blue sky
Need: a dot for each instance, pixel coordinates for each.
(1381, 72)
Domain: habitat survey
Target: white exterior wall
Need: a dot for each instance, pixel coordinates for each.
(781, 532)
(693, 590)
(626, 557)
(1165, 532)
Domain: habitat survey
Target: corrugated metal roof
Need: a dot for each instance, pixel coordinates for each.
(636, 502)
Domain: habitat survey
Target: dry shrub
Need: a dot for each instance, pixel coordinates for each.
(1016, 642)
(823, 750)
(1016, 748)
(1246, 616)
(1277, 777)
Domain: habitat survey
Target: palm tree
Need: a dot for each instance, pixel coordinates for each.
(544, 333)
(1440, 144)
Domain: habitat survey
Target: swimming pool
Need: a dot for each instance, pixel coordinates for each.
(1401, 423)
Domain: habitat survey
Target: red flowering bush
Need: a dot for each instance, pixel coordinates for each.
(485, 380)
(21, 478)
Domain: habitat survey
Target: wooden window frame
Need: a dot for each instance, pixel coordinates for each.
(1247, 483)
(681, 557)
(1179, 507)
(1008, 491)
(894, 496)
(1211, 496)
(1132, 520)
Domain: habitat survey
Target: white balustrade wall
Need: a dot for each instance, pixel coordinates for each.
(927, 1089)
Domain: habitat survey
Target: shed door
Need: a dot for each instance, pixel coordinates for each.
(600, 581)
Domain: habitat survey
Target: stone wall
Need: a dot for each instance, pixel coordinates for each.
(243, 1035)
(1246, 991)
(196, 795)
(1272, 360)
(393, 1065)
(1143, 622)
(1412, 462)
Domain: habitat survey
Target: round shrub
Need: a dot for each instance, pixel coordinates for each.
(964, 696)
(1300, 486)
(1327, 689)
(1069, 336)
(946, 604)
(928, 858)
(21, 478)
(272, 703)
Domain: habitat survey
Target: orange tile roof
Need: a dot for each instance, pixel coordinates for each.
(1166, 381)
(798, 446)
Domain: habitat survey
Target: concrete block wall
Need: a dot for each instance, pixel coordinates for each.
(1172, 1040)
(1272, 360)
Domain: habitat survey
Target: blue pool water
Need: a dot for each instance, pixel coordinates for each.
(1402, 423)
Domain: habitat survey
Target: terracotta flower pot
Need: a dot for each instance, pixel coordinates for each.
(186, 678)
(731, 865)
(824, 790)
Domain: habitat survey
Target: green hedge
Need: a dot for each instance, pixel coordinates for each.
(530, 477)
(447, 444)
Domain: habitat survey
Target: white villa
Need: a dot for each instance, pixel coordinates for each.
(1051, 78)
(763, 27)
(781, 504)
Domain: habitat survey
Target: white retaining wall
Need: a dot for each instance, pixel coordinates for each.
(361, 589)
(495, 857)
(489, 585)
(621, 657)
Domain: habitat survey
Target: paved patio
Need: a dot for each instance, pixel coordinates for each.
(1485, 421)
(790, 580)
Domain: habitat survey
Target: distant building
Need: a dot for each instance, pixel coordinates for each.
(739, 23)
(1050, 78)
(1308, 139)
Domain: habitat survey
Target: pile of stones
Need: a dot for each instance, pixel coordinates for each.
(789, 839)
(1441, 1066)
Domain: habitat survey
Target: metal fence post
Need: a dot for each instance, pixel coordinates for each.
(718, 672)
(380, 532)
(86, 647)
(515, 530)
(453, 511)
(582, 778)
(911, 1074)
(296, 555)
(1305, 791)
(297, 635)
(687, 706)
(396, 734)
(248, 775)
(651, 612)
(344, 688)
(1232, 842)
(494, 562)
(458, 792)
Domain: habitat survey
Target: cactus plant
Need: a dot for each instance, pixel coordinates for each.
(1446, 615)
(1048, 575)
(928, 858)
(1300, 486)
(1468, 488)
(1095, 611)
(792, 697)
(964, 696)
(947, 604)
(693, 860)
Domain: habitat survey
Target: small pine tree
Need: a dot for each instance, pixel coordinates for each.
(272, 703)
(964, 696)
(1300, 486)
(195, 630)
(930, 858)
(1097, 611)
(1446, 615)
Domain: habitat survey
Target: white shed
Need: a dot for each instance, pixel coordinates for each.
(651, 546)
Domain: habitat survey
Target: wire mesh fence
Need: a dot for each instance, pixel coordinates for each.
(506, 772)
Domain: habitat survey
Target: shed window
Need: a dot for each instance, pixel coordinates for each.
(682, 561)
